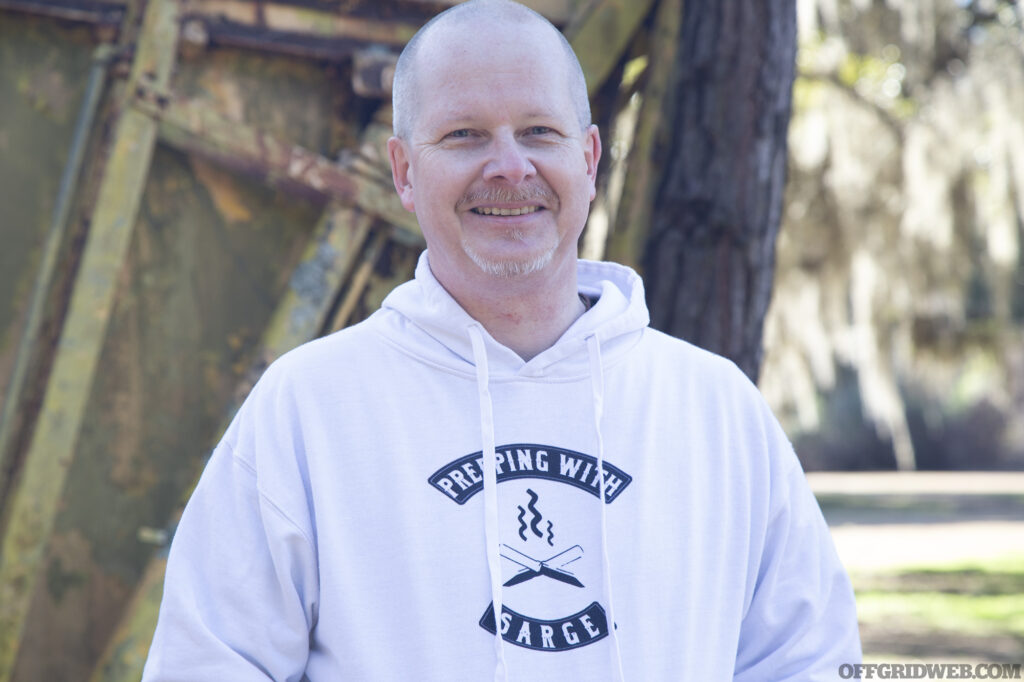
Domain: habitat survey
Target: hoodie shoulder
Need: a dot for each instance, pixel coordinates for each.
(355, 344)
(676, 352)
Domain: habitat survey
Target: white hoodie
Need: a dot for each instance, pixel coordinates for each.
(347, 527)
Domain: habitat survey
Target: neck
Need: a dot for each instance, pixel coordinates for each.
(527, 314)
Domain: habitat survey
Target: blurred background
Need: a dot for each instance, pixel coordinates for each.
(188, 189)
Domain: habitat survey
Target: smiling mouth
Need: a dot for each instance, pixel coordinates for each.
(484, 210)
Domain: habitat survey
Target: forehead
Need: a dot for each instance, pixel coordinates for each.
(486, 37)
(485, 64)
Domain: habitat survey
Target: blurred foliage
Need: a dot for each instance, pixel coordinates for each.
(896, 328)
(877, 78)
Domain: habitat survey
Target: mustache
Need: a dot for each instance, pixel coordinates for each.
(533, 193)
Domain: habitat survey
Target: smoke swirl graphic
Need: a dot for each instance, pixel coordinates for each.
(535, 519)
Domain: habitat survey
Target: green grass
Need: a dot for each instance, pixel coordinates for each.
(1012, 562)
(966, 614)
(976, 598)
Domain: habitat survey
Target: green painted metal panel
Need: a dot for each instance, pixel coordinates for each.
(34, 501)
(210, 257)
(42, 83)
(299, 317)
(199, 287)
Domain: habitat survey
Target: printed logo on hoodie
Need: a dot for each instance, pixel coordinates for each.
(463, 478)
(546, 565)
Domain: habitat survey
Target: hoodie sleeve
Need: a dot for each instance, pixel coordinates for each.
(801, 620)
(240, 590)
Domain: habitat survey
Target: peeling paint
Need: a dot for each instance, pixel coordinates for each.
(223, 190)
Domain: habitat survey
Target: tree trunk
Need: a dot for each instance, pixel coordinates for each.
(710, 256)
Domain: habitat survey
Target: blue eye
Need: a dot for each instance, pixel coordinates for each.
(462, 132)
(538, 130)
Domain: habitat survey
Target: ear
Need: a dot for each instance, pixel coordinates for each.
(592, 155)
(401, 172)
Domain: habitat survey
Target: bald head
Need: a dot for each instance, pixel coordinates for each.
(474, 14)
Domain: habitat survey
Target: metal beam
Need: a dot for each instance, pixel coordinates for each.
(601, 33)
(98, 13)
(289, 29)
(280, 15)
(29, 340)
(299, 21)
(196, 128)
(557, 11)
(36, 497)
(126, 651)
(357, 284)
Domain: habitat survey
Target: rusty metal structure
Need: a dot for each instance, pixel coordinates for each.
(188, 189)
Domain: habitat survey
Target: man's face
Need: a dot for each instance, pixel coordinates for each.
(497, 168)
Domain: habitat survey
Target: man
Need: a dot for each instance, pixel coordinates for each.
(504, 473)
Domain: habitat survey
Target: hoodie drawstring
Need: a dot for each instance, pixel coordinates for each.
(597, 398)
(490, 471)
(490, 474)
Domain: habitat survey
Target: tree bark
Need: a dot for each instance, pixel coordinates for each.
(710, 257)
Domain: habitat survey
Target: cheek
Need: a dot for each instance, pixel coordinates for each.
(570, 168)
(443, 186)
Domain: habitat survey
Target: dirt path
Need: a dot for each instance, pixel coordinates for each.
(886, 523)
(886, 520)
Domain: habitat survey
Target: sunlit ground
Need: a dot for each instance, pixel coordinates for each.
(936, 560)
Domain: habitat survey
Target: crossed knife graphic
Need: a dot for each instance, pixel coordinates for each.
(551, 567)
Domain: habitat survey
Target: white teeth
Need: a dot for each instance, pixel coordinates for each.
(506, 211)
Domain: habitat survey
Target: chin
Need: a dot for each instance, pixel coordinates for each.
(509, 267)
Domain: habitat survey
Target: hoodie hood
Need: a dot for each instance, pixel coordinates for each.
(433, 326)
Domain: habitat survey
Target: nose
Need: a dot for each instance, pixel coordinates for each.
(508, 160)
